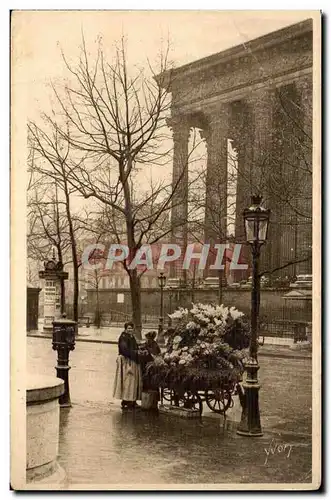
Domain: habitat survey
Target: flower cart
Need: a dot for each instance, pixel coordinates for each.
(203, 361)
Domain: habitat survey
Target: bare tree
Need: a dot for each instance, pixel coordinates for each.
(57, 223)
(92, 279)
(114, 129)
(47, 226)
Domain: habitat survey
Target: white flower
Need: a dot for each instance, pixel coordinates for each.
(180, 313)
(175, 315)
(177, 339)
(182, 362)
(190, 325)
(235, 313)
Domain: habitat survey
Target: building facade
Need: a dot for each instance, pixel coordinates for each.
(258, 95)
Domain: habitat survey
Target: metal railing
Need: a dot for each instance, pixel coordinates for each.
(285, 329)
(274, 322)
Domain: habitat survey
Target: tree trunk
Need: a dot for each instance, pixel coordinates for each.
(97, 311)
(193, 284)
(130, 232)
(76, 292)
(62, 285)
(62, 298)
(220, 287)
(73, 249)
(136, 301)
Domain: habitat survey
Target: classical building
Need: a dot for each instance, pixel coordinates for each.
(259, 96)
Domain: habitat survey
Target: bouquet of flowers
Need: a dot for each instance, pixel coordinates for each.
(207, 346)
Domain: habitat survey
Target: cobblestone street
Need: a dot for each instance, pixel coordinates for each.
(99, 444)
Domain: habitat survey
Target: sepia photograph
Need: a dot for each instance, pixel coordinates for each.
(165, 250)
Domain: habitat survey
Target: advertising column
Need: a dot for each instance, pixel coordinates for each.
(53, 275)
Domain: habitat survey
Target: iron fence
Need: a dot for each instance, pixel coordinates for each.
(277, 318)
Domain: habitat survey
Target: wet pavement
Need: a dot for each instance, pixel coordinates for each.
(100, 445)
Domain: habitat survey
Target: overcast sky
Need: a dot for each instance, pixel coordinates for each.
(192, 35)
(38, 37)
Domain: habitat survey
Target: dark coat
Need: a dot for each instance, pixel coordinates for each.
(128, 347)
(153, 347)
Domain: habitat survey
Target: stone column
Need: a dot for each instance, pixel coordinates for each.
(262, 104)
(242, 136)
(179, 213)
(304, 233)
(216, 136)
(305, 88)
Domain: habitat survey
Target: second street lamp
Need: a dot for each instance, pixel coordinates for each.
(256, 220)
(162, 282)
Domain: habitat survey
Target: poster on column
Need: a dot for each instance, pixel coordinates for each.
(49, 305)
(171, 165)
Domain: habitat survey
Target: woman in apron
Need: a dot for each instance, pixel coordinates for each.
(128, 378)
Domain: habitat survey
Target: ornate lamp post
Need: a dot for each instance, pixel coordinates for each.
(162, 281)
(256, 220)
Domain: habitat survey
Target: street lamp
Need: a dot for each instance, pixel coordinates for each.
(162, 281)
(256, 220)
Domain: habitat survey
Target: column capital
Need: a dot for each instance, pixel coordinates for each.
(261, 97)
(180, 126)
(217, 124)
(218, 115)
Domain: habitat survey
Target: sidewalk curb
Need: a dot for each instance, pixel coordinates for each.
(77, 339)
(290, 355)
(269, 353)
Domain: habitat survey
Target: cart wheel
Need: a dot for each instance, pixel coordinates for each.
(167, 395)
(219, 400)
(190, 400)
